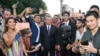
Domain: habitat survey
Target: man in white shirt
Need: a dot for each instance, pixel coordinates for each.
(80, 29)
(79, 33)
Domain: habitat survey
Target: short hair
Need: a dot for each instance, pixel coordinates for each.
(46, 17)
(25, 32)
(94, 6)
(36, 15)
(92, 13)
(66, 12)
(81, 20)
(6, 9)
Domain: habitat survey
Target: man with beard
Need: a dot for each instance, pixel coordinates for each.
(79, 33)
(92, 35)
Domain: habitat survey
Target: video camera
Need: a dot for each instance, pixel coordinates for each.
(66, 31)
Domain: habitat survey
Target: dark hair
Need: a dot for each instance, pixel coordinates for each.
(24, 32)
(47, 17)
(6, 21)
(94, 6)
(81, 20)
(92, 13)
(36, 15)
(66, 12)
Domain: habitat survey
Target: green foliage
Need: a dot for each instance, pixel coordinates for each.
(23, 4)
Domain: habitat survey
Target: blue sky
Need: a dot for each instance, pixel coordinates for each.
(83, 5)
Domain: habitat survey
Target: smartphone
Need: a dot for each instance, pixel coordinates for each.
(85, 43)
(23, 25)
(17, 3)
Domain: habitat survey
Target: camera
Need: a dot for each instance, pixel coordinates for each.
(66, 33)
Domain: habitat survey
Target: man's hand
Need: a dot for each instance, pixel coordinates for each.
(68, 47)
(28, 10)
(32, 47)
(74, 49)
(42, 48)
(36, 49)
(14, 6)
(90, 49)
(58, 47)
(82, 51)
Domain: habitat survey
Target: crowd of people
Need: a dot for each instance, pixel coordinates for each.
(71, 34)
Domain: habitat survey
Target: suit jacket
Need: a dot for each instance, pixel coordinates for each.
(48, 41)
(59, 40)
(34, 30)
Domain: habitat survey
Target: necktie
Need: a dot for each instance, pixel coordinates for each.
(48, 30)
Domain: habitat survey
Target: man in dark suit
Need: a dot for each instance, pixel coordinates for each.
(66, 36)
(34, 26)
(47, 37)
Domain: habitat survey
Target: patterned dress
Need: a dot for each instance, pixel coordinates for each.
(15, 49)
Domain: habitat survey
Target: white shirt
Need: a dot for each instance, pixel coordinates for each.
(48, 27)
(37, 40)
(67, 23)
(79, 35)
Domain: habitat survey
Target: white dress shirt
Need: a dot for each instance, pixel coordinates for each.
(66, 23)
(48, 27)
(37, 40)
(79, 35)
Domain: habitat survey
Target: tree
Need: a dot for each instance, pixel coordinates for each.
(35, 4)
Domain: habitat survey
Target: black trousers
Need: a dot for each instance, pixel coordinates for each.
(67, 53)
(51, 52)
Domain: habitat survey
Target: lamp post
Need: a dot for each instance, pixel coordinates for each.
(61, 5)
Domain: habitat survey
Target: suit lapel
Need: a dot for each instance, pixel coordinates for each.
(46, 31)
(45, 28)
(51, 29)
(69, 23)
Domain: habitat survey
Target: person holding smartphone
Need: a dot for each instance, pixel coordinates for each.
(12, 38)
(92, 35)
(79, 33)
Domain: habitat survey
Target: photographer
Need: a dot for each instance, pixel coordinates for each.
(66, 36)
(92, 36)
